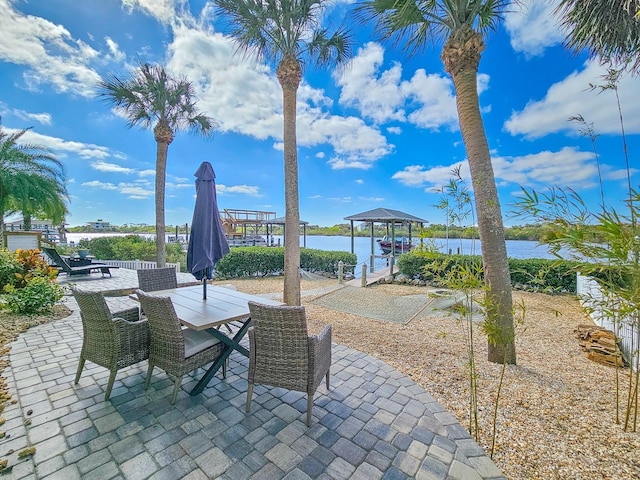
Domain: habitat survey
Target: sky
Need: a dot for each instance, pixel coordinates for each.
(381, 131)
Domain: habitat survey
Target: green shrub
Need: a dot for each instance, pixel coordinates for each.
(132, 247)
(264, 261)
(251, 262)
(9, 267)
(533, 274)
(39, 294)
(313, 260)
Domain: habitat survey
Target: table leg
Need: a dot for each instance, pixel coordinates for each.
(230, 344)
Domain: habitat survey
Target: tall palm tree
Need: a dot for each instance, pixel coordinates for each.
(29, 173)
(151, 98)
(287, 32)
(608, 29)
(461, 25)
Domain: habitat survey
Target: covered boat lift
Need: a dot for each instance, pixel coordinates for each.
(280, 221)
(387, 217)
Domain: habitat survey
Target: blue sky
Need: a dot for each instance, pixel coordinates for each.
(382, 132)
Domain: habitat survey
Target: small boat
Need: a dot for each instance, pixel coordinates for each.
(402, 245)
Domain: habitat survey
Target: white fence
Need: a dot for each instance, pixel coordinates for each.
(593, 298)
(137, 264)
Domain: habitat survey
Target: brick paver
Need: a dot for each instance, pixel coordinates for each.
(372, 423)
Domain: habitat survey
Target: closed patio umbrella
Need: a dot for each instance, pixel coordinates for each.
(207, 243)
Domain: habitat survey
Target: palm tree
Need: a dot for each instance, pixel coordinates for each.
(608, 29)
(42, 196)
(151, 98)
(28, 173)
(462, 25)
(287, 32)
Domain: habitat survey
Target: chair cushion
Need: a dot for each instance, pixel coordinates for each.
(196, 340)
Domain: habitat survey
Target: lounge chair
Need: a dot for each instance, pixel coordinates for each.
(63, 266)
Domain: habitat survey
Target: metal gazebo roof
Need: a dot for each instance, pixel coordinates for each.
(384, 215)
(387, 216)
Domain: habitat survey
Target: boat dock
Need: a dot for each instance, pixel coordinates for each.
(372, 277)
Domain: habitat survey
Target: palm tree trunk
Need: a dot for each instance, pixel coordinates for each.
(498, 296)
(161, 172)
(289, 74)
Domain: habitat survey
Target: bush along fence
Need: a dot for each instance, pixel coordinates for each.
(533, 274)
(266, 261)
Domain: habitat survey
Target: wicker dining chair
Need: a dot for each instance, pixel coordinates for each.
(111, 340)
(283, 354)
(153, 279)
(176, 350)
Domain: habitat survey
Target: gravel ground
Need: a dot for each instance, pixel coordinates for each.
(556, 418)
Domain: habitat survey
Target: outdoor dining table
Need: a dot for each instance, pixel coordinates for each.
(221, 307)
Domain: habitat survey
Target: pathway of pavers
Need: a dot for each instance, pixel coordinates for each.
(373, 422)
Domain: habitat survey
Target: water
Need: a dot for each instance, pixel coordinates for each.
(362, 246)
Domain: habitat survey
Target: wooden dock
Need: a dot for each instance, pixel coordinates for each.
(372, 277)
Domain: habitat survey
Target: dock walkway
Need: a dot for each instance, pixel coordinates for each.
(372, 277)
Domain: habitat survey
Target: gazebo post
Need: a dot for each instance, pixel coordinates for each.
(373, 252)
(352, 242)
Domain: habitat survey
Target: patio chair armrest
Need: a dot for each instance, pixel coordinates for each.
(320, 342)
(319, 355)
(131, 314)
(132, 336)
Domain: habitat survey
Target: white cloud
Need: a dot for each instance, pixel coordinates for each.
(359, 181)
(48, 51)
(432, 178)
(383, 96)
(133, 191)
(245, 97)
(110, 167)
(116, 55)
(572, 96)
(43, 118)
(100, 185)
(568, 166)
(533, 26)
(147, 173)
(239, 189)
(320, 155)
(62, 147)
(162, 10)
(394, 130)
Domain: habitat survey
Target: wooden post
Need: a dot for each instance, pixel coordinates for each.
(340, 272)
(372, 259)
(364, 275)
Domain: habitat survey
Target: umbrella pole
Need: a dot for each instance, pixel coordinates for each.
(204, 287)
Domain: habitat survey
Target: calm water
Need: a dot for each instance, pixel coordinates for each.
(362, 246)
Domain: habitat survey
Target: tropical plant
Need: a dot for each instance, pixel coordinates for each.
(42, 196)
(287, 33)
(31, 177)
(38, 295)
(152, 98)
(608, 29)
(462, 25)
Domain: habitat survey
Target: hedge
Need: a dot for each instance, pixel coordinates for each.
(265, 261)
(534, 274)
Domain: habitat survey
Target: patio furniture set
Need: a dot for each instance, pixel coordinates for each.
(178, 331)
